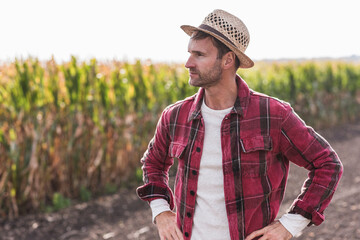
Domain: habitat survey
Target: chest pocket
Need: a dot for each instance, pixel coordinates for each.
(255, 155)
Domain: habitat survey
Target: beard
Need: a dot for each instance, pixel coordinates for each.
(208, 78)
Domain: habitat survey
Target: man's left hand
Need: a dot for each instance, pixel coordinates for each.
(274, 231)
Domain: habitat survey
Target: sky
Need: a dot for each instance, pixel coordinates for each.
(145, 29)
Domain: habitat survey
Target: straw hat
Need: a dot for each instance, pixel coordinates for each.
(228, 29)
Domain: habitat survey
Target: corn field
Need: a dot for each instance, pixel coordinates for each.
(78, 129)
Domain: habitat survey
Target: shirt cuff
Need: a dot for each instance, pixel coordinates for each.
(158, 206)
(294, 223)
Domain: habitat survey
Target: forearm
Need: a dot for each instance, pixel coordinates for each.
(156, 164)
(303, 146)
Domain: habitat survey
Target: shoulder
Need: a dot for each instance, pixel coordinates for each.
(182, 103)
(179, 106)
(275, 105)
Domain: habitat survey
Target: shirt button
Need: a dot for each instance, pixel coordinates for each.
(188, 214)
(194, 172)
(198, 149)
(192, 193)
(186, 234)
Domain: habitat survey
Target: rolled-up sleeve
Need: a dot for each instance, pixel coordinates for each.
(155, 166)
(303, 146)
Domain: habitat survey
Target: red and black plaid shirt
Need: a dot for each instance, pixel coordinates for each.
(258, 138)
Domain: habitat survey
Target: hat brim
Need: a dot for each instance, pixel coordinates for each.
(245, 61)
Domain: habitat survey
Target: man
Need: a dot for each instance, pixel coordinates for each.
(233, 148)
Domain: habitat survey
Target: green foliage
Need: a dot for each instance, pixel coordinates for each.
(85, 194)
(138, 174)
(76, 124)
(110, 188)
(59, 202)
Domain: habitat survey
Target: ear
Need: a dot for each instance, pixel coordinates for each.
(229, 60)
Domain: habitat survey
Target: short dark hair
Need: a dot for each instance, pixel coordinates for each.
(222, 48)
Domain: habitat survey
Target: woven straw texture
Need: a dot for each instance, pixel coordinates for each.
(230, 30)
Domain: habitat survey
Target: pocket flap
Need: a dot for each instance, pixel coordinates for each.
(256, 143)
(176, 150)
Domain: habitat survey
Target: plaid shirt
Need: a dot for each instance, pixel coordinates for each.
(258, 138)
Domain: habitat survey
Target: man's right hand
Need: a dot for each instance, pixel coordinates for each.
(167, 227)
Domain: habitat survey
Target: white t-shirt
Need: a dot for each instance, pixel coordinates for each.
(210, 219)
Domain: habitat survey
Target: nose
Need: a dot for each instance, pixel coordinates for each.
(189, 63)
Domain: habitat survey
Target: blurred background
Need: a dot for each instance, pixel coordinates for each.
(82, 84)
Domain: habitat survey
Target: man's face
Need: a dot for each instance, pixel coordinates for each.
(204, 67)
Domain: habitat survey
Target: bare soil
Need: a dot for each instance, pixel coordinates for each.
(124, 216)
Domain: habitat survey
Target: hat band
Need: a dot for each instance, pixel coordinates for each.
(213, 30)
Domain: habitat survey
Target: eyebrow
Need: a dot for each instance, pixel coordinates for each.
(197, 52)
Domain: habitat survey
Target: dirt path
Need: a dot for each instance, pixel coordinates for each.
(123, 216)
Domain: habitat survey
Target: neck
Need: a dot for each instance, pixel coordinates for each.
(222, 95)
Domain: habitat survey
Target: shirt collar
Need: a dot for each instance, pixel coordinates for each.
(240, 105)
